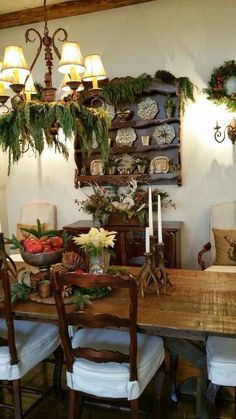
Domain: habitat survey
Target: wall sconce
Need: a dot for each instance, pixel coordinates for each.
(230, 129)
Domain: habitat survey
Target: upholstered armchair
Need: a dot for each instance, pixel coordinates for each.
(222, 244)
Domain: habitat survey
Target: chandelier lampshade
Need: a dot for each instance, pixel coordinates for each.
(71, 61)
(4, 82)
(94, 69)
(14, 65)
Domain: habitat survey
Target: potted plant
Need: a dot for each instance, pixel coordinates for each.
(169, 107)
(111, 166)
(141, 164)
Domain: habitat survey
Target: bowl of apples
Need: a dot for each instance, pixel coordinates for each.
(42, 252)
(41, 248)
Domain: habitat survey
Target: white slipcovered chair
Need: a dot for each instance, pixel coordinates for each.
(221, 365)
(23, 345)
(221, 352)
(222, 218)
(44, 211)
(103, 361)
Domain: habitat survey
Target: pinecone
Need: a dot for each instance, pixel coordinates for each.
(58, 267)
(165, 76)
(72, 261)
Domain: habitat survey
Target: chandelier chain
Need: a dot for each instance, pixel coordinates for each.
(45, 18)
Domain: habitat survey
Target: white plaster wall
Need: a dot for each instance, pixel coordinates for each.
(186, 37)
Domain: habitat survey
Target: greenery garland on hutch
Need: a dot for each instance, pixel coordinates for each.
(145, 132)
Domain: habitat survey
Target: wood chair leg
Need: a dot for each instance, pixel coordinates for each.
(17, 399)
(211, 392)
(159, 383)
(73, 404)
(174, 360)
(59, 360)
(134, 408)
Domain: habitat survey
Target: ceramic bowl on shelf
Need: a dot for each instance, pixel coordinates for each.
(124, 115)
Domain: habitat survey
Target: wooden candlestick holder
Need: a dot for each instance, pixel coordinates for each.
(160, 272)
(153, 271)
(147, 275)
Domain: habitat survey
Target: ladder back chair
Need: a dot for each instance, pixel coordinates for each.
(23, 345)
(103, 361)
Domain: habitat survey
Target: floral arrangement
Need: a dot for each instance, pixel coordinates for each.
(217, 86)
(128, 201)
(96, 240)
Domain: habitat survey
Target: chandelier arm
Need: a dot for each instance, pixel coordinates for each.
(218, 135)
(63, 39)
(28, 39)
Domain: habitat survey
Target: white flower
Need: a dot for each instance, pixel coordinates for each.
(97, 238)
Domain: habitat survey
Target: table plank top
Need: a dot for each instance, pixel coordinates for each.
(200, 303)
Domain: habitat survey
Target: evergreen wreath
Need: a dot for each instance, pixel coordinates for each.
(216, 90)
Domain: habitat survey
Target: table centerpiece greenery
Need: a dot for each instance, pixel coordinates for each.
(128, 201)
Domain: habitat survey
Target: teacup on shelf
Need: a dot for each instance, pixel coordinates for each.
(145, 139)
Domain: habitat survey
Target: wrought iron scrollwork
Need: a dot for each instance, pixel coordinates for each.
(29, 39)
(64, 39)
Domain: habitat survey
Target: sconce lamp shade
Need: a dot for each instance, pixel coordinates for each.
(66, 88)
(71, 61)
(29, 85)
(14, 65)
(94, 68)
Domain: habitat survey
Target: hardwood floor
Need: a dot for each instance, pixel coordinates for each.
(53, 409)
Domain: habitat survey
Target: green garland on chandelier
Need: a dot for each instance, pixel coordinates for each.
(33, 125)
(217, 91)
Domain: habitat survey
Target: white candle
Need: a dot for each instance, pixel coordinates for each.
(147, 240)
(0, 227)
(159, 224)
(150, 215)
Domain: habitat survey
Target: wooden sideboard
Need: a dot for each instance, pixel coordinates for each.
(130, 244)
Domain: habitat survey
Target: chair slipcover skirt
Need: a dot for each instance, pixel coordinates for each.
(112, 379)
(34, 343)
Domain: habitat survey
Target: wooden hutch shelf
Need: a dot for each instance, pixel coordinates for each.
(122, 180)
(146, 133)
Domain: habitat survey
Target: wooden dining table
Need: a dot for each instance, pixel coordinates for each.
(198, 304)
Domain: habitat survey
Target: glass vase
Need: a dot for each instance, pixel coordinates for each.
(96, 263)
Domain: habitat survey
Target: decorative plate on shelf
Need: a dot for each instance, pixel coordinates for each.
(125, 137)
(147, 109)
(110, 110)
(96, 167)
(159, 164)
(164, 134)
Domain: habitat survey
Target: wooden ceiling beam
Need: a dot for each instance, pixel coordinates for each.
(61, 10)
